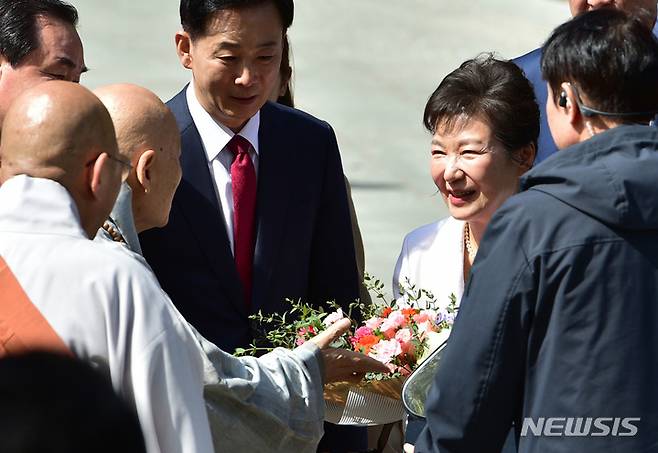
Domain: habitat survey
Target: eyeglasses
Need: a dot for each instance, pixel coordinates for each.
(127, 166)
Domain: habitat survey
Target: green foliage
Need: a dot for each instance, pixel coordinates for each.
(303, 321)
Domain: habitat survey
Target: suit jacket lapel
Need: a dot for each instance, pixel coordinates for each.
(274, 183)
(197, 200)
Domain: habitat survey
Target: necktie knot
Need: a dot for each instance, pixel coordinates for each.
(238, 145)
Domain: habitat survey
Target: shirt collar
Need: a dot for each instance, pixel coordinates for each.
(214, 135)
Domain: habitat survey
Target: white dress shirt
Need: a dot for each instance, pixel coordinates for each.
(215, 137)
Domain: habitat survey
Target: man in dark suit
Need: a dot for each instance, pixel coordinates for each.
(645, 9)
(261, 213)
(271, 223)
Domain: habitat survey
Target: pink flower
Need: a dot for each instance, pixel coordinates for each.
(300, 341)
(385, 351)
(425, 315)
(394, 320)
(373, 323)
(362, 331)
(404, 337)
(333, 317)
(304, 331)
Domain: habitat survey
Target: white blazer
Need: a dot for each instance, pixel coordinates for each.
(432, 258)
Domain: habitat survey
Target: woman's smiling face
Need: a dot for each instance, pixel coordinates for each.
(473, 171)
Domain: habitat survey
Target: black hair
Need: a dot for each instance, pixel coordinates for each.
(19, 30)
(285, 72)
(610, 56)
(494, 91)
(54, 403)
(195, 14)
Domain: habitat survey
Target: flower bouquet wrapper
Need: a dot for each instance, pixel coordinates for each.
(372, 402)
(337, 392)
(400, 333)
(367, 403)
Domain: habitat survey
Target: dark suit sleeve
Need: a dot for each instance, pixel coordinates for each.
(530, 64)
(333, 273)
(478, 388)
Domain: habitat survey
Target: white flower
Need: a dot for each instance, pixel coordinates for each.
(333, 317)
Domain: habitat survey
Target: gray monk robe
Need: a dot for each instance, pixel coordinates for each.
(270, 404)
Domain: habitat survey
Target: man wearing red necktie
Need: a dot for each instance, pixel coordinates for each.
(261, 214)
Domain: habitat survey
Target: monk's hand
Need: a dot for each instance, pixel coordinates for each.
(343, 364)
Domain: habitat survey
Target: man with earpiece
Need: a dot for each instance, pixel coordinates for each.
(556, 331)
(530, 62)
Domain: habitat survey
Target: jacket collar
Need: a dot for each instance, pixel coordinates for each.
(197, 201)
(610, 177)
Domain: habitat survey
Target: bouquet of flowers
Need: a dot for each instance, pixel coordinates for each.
(399, 332)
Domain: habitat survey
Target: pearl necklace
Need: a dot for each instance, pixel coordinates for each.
(467, 243)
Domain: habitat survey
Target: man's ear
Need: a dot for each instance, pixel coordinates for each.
(183, 48)
(570, 105)
(144, 170)
(98, 175)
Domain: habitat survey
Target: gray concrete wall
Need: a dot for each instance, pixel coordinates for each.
(366, 66)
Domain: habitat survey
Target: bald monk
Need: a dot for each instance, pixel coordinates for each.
(273, 403)
(60, 177)
(62, 172)
(149, 139)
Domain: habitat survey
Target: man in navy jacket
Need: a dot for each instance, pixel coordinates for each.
(218, 261)
(646, 9)
(557, 328)
(301, 239)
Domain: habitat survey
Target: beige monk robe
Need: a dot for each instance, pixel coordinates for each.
(270, 404)
(107, 309)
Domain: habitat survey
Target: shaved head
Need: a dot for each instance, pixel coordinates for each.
(51, 131)
(140, 118)
(61, 131)
(148, 136)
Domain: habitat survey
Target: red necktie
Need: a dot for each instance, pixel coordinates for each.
(243, 182)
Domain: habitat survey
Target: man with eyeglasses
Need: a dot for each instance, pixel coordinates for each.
(60, 291)
(261, 418)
